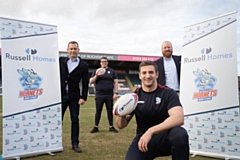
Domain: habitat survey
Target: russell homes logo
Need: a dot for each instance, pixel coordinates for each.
(206, 55)
(205, 83)
(31, 55)
(30, 82)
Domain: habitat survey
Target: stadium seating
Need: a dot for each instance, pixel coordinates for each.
(128, 83)
(134, 80)
(123, 86)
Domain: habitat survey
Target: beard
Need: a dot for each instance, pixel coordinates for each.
(167, 54)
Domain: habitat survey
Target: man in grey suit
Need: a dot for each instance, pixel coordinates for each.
(169, 67)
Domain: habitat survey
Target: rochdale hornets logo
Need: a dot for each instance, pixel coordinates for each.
(30, 82)
(205, 83)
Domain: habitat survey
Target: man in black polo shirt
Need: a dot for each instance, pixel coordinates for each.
(106, 88)
(159, 115)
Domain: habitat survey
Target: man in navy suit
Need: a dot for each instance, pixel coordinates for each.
(73, 72)
(169, 67)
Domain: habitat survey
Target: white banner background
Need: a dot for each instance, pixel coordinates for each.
(209, 87)
(31, 89)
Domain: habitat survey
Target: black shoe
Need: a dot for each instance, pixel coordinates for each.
(77, 149)
(112, 129)
(94, 130)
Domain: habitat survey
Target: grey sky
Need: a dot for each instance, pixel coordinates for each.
(120, 26)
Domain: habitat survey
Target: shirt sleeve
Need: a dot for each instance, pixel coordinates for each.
(115, 75)
(93, 73)
(173, 100)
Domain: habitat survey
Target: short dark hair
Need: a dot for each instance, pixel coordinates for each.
(103, 58)
(148, 63)
(73, 42)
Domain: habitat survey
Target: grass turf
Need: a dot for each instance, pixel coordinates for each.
(103, 145)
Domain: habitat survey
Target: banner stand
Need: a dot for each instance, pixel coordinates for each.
(195, 153)
(32, 122)
(209, 87)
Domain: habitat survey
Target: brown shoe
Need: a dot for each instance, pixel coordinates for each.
(77, 149)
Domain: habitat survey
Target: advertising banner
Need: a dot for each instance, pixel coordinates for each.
(31, 89)
(112, 57)
(209, 87)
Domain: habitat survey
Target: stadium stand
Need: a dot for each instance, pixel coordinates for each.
(123, 86)
(126, 84)
(135, 81)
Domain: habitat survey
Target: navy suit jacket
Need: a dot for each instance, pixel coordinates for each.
(161, 77)
(73, 79)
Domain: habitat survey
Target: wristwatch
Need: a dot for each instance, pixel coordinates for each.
(115, 92)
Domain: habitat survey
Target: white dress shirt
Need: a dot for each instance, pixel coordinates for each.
(171, 74)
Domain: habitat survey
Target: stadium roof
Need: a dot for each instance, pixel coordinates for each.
(118, 62)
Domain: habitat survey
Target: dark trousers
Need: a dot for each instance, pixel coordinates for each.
(172, 142)
(99, 102)
(74, 113)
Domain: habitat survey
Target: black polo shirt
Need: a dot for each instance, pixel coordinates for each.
(105, 83)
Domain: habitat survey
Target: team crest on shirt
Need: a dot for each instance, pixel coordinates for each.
(158, 100)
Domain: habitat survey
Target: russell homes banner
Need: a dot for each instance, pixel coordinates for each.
(31, 89)
(209, 87)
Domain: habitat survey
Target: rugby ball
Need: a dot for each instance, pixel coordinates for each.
(100, 71)
(125, 104)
